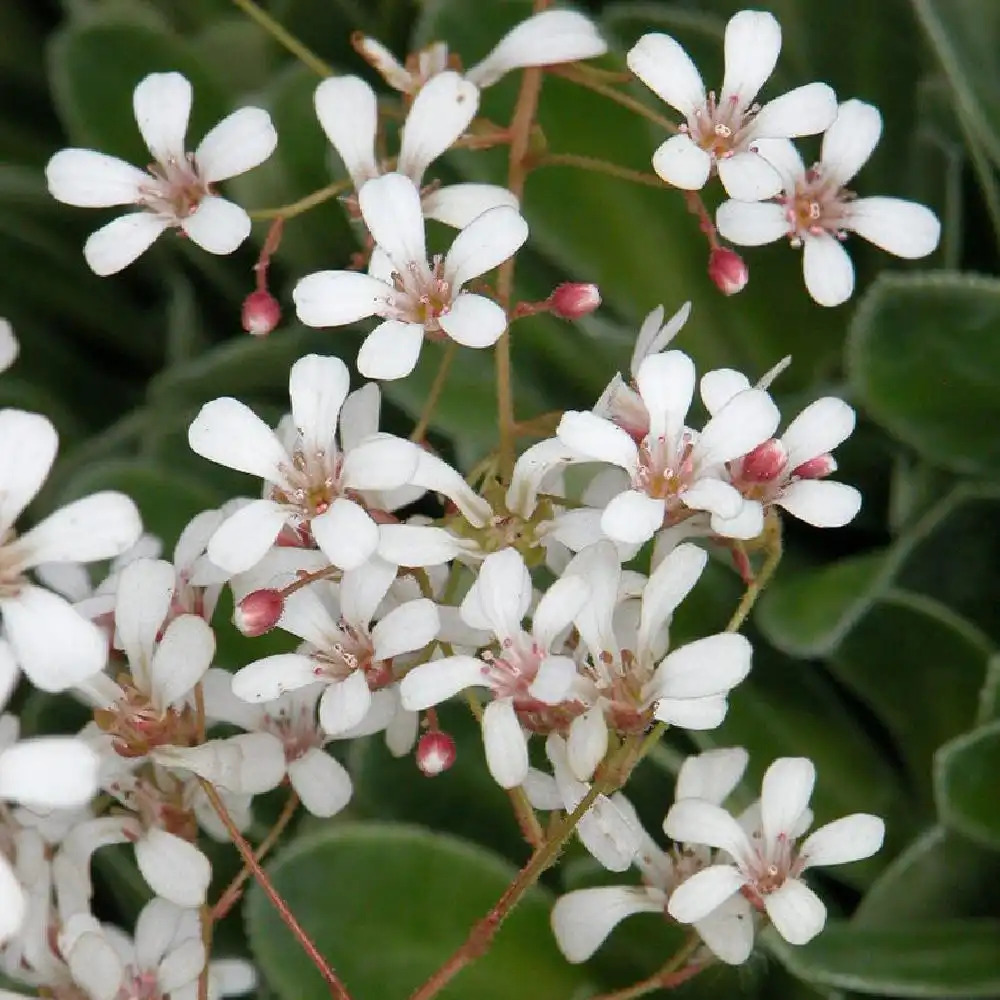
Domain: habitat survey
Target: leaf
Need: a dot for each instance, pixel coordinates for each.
(965, 784)
(386, 905)
(924, 357)
(946, 959)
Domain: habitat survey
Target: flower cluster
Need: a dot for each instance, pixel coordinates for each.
(542, 586)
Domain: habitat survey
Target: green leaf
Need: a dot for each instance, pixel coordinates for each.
(386, 905)
(946, 959)
(965, 783)
(924, 357)
(965, 36)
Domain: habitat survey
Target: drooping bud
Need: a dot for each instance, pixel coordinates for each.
(728, 270)
(435, 753)
(816, 468)
(572, 300)
(765, 462)
(258, 612)
(260, 313)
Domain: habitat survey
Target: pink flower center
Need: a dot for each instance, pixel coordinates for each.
(421, 295)
(718, 126)
(139, 985)
(817, 206)
(311, 483)
(664, 470)
(768, 867)
(11, 565)
(351, 649)
(511, 671)
(296, 727)
(175, 189)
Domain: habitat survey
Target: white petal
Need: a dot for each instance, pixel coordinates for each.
(391, 209)
(318, 387)
(806, 110)
(542, 790)
(173, 868)
(246, 764)
(145, 591)
(592, 437)
(784, 157)
(417, 545)
(711, 775)
(609, 833)
(713, 495)
(844, 840)
(223, 706)
(217, 225)
(752, 44)
(712, 665)
(828, 270)
(456, 205)
(434, 474)
(554, 681)
(728, 930)
(557, 608)
(162, 106)
(655, 337)
(182, 656)
(244, 538)
(695, 821)
(587, 743)
(544, 39)
(101, 526)
(381, 463)
(505, 743)
(9, 347)
(784, 796)
(500, 597)
(359, 417)
(51, 642)
(749, 177)
(899, 227)
(53, 772)
(751, 224)
(474, 321)
(159, 926)
(692, 713)
(336, 298)
(344, 705)
(322, 783)
(797, 913)
(28, 444)
(271, 676)
(817, 430)
(386, 64)
(240, 142)
(229, 977)
(348, 113)
(667, 586)
(821, 503)
(180, 969)
(440, 113)
(15, 906)
(93, 962)
(10, 674)
(228, 432)
(582, 920)
(409, 627)
(747, 420)
(391, 350)
(121, 241)
(680, 162)
(666, 384)
(696, 897)
(363, 589)
(90, 179)
(663, 66)
(632, 517)
(487, 241)
(432, 683)
(850, 141)
(346, 534)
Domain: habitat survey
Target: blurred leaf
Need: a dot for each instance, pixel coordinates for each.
(946, 959)
(989, 696)
(965, 781)
(924, 357)
(386, 905)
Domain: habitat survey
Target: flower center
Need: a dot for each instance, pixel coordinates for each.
(718, 126)
(351, 649)
(817, 206)
(511, 671)
(137, 726)
(11, 565)
(767, 870)
(175, 189)
(296, 727)
(421, 295)
(664, 472)
(311, 484)
(139, 985)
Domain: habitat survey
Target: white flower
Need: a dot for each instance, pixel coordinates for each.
(524, 675)
(816, 210)
(165, 959)
(672, 470)
(414, 297)
(344, 651)
(720, 133)
(544, 39)
(175, 191)
(765, 866)
(441, 112)
(8, 345)
(583, 919)
(310, 483)
(54, 645)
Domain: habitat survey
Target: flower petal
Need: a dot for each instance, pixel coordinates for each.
(322, 783)
(432, 683)
(817, 430)
(474, 321)
(708, 666)
(851, 838)
(121, 241)
(348, 113)
(336, 298)
(680, 162)
(318, 387)
(751, 224)
(173, 868)
(440, 113)
(821, 503)
(49, 772)
(346, 534)
(383, 462)
(711, 775)
(728, 930)
(696, 897)
(240, 142)
(217, 225)
(409, 627)
(229, 433)
(752, 44)
(500, 597)
(245, 764)
(797, 913)
(828, 270)
(663, 66)
(590, 436)
(345, 704)
(784, 796)
(489, 240)
(243, 539)
(582, 920)
(666, 384)
(554, 681)
(899, 227)
(456, 205)
(9, 347)
(144, 595)
(747, 420)
(632, 517)
(88, 179)
(749, 177)
(417, 545)
(391, 350)
(850, 141)
(182, 656)
(271, 676)
(806, 110)
(505, 743)
(557, 608)
(587, 743)
(162, 106)
(391, 209)
(28, 444)
(695, 821)
(667, 586)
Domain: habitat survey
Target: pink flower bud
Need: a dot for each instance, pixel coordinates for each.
(435, 753)
(573, 300)
(728, 270)
(765, 462)
(258, 612)
(261, 313)
(816, 468)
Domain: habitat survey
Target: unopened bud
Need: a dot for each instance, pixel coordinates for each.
(574, 299)
(258, 612)
(816, 468)
(765, 462)
(728, 270)
(261, 313)
(435, 753)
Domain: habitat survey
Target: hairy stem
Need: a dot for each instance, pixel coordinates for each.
(337, 989)
(600, 167)
(773, 548)
(672, 975)
(434, 396)
(303, 204)
(585, 78)
(284, 38)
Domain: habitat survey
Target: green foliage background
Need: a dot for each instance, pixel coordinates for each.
(876, 649)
